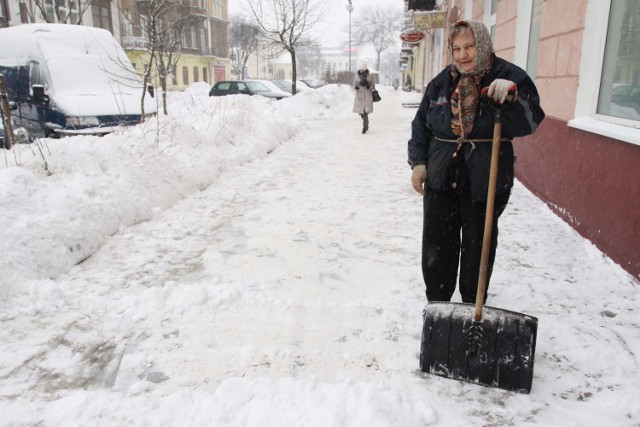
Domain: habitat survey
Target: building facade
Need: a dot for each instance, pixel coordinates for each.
(584, 56)
(193, 32)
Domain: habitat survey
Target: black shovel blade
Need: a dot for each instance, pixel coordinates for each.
(497, 352)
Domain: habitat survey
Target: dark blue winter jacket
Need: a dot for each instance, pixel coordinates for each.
(433, 120)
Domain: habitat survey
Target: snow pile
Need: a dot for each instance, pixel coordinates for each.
(247, 262)
(73, 192)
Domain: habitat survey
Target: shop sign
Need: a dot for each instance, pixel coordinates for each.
(412, 36)
(429, 20)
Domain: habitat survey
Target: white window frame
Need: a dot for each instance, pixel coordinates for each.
(144, 23)
(523, 32)
(489, 18)
(593, 46)
(127, 24)
(468, 10)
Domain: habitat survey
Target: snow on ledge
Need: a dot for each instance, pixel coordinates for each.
(622, 133)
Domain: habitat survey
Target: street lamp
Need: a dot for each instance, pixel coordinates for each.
(349, 9)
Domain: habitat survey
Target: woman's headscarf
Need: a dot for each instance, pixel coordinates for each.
(465, 98)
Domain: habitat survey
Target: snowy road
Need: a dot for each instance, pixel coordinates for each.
(289, 292)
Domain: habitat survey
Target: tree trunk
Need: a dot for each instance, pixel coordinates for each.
(294, 72)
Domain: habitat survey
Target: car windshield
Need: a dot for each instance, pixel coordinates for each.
(257, 87)
(285, 84)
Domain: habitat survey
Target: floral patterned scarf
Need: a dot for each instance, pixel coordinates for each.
(466, 96)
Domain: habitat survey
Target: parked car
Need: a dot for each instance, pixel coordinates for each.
(287, 86)
(244, 87)
(69, 80)
(272, 86)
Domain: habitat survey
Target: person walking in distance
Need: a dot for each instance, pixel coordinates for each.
(363, 102)
(450, 156)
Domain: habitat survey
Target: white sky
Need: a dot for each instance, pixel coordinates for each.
(336, 28)
(247, 262)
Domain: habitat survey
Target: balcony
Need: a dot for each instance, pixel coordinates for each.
(135, 43)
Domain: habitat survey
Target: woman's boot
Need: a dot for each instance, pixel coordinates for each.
(365, 122)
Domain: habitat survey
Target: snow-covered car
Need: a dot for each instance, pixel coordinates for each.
(70, 80)
(272, 86)
(244, 87)
(287, 86)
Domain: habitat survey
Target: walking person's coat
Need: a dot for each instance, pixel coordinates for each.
(363, 101)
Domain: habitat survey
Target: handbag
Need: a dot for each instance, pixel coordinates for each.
(376, 96)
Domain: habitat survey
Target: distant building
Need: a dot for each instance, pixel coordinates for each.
(312, 63)
(336, 60)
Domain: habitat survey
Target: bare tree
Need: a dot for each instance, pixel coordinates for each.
(166, 21)
(154, 10)
(310, 60)
(57, 11)
(378, 27)
(243, 41)
(171, 27)
(287, 23)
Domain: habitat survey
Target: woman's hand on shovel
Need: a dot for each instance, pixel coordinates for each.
(499, 89)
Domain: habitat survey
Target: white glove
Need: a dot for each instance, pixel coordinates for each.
(418, 177)
(500, 88)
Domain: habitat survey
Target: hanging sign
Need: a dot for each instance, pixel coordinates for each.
(412, 35)
(428, 20)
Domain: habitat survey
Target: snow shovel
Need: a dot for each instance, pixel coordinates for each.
(481, 345)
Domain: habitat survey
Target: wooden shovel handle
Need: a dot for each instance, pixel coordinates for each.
(488, 221)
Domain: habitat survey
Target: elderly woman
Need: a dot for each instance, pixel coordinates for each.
(450, 152)
(363, 102)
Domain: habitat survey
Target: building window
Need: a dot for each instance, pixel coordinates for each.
(74, 14)
(101, 12)
(127, 27)
(67, 11)
(619, 94)
(49, 12)
(196, 75)
(205, 76)
(144, 23)
(24, 13)
(185, 75)
(534, 39)
(3, 13)
(490, 15)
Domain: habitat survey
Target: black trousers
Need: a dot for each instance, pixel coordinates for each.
(453, 227)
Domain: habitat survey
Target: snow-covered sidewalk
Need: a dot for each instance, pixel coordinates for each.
(259, 266)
